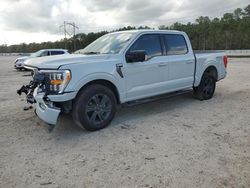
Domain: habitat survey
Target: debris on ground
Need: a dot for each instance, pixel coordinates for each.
(27, 108)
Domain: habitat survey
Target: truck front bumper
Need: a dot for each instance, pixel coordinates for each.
(46, 110)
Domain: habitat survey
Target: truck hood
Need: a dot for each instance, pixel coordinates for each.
(54, 62)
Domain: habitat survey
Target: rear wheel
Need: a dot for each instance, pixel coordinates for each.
(206, 88)
(94, 107)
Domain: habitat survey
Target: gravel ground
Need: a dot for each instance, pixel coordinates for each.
(176, 142)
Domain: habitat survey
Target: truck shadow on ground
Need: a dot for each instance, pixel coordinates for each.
(66, 126)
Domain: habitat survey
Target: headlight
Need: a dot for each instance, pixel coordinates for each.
(19, 61)
(57, 80)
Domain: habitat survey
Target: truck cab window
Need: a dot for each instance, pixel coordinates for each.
(175, 44)
(150, 44)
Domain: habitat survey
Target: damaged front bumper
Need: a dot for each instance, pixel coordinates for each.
(48, 106)
(46, 110)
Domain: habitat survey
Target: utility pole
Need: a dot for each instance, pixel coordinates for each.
(74, 32)
(65, 39)
(73, 25)
(204, 41)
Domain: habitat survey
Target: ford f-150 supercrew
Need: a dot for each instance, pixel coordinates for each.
(118, 68)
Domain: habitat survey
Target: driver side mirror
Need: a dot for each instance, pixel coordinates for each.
(136, 56)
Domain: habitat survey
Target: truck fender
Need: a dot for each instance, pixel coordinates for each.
(199, 73)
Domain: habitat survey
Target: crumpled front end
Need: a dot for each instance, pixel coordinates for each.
(46, 90)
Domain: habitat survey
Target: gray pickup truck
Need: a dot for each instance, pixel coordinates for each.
(118, 68)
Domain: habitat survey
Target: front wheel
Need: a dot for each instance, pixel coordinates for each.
(94, 107)
(206, 88)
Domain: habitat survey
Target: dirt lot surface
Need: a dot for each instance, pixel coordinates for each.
(176, 142)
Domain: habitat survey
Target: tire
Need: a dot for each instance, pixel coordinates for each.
(94, 107)
(206, 88)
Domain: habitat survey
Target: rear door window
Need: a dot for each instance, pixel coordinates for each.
(175, 44)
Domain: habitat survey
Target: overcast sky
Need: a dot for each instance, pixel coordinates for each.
(40, 20)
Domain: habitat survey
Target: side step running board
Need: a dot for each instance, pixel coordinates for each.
(156, 98)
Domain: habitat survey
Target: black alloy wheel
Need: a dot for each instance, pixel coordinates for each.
(98, 108)
(94, 107)
(206, 88)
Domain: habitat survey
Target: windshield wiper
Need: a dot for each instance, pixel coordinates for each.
(91, 53)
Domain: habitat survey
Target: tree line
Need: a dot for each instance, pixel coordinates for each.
(231, 31)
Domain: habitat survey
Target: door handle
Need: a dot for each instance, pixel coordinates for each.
(189, 62)
(162, 64)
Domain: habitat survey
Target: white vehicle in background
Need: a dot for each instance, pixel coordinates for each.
(19, 62)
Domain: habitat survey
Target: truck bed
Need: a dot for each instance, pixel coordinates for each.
(204, 59)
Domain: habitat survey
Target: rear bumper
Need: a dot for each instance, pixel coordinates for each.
(222, 76)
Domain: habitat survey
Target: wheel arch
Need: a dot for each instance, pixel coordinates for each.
(103, 82)
(211, 70)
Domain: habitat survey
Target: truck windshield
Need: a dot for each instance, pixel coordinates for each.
(108, 44)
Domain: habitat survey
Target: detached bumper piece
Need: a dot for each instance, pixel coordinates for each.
(28, 90)
(39, 80)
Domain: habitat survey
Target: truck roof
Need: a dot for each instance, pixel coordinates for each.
(150, 31)
(55, 49)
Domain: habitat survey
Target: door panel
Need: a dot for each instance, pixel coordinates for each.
(146, 78)
(181, 62)
(181, 71)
